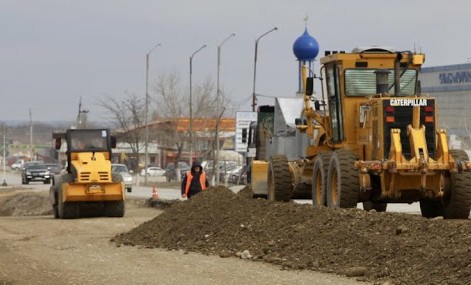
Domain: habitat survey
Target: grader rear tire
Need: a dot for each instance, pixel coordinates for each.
(342, 180)
(280, 187)
(319, 179)
(457, 203)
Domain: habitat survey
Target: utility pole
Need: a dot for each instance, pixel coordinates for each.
(4, 157)
(191, 103)
(31, 135)
(218, 91)
(146, 116)
(81, 117)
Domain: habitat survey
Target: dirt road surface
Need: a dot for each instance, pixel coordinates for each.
(35, 248)
(205, 240)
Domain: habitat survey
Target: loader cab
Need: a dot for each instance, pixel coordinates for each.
(88, 140)
(85, 141)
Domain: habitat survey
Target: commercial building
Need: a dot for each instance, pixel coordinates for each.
(451, 85)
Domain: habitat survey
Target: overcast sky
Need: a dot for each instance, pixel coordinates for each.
(53, 52)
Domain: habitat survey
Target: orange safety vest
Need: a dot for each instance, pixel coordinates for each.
(189, 177)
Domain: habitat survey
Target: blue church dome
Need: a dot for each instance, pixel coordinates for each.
(306, 47)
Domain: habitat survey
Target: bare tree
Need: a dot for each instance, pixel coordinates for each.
(127, 115)
(173, 104)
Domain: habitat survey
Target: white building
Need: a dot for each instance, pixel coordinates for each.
(451, 85)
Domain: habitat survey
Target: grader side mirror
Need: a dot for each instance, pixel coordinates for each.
(309, 86)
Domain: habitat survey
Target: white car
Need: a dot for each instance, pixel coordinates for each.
(153, 171)
(125, 173)
(18, 165)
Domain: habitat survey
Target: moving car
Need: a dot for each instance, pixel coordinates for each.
(125, 173)
(153, 171)
(53, 168)
(35, 171)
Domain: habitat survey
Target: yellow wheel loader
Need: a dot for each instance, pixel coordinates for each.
(372, 138)
(87, 187)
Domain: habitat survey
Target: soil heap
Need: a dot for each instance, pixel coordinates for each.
(393, 247)
(24, 204)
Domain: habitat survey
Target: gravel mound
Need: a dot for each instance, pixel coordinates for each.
(25, 204)
(384, 247)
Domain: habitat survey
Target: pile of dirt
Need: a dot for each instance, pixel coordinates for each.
(25, 204)
(371, 246)
(13, 203)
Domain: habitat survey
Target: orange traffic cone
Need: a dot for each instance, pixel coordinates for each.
(155, 194)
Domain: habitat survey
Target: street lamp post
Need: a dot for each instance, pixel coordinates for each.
(146, 143)
(191, 103)
(4, 157)
(255, 67)
(218, 92)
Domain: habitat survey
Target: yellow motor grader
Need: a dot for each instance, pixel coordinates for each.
(371, 138)
(88, 187)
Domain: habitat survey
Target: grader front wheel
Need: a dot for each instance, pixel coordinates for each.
(280, 186)
(342, 180)
(457, 203)
(319, 180)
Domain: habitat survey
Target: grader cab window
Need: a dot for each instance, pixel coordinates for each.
(362, 82)
(335, 102)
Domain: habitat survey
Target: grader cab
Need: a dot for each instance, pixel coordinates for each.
(373, 138)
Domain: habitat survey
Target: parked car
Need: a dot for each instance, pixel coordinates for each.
(125, 173)
(53, 168)
(239, 176)
(170, 171)
(35, 171)
(153, 171)
(18, 165)
(226, 172)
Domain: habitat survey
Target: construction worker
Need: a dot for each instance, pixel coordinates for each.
(194, 181)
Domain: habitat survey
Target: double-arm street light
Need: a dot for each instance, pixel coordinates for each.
(254, 99)
(146, 143)
(191, 103)
(218, 92)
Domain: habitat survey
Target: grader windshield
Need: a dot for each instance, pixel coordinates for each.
(362, 82)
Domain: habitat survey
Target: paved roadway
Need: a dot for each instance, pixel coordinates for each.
(14, 180)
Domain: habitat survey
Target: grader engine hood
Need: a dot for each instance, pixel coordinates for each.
(397, 113)
(408, 150)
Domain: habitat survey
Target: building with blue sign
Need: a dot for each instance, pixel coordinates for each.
(451, 85)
